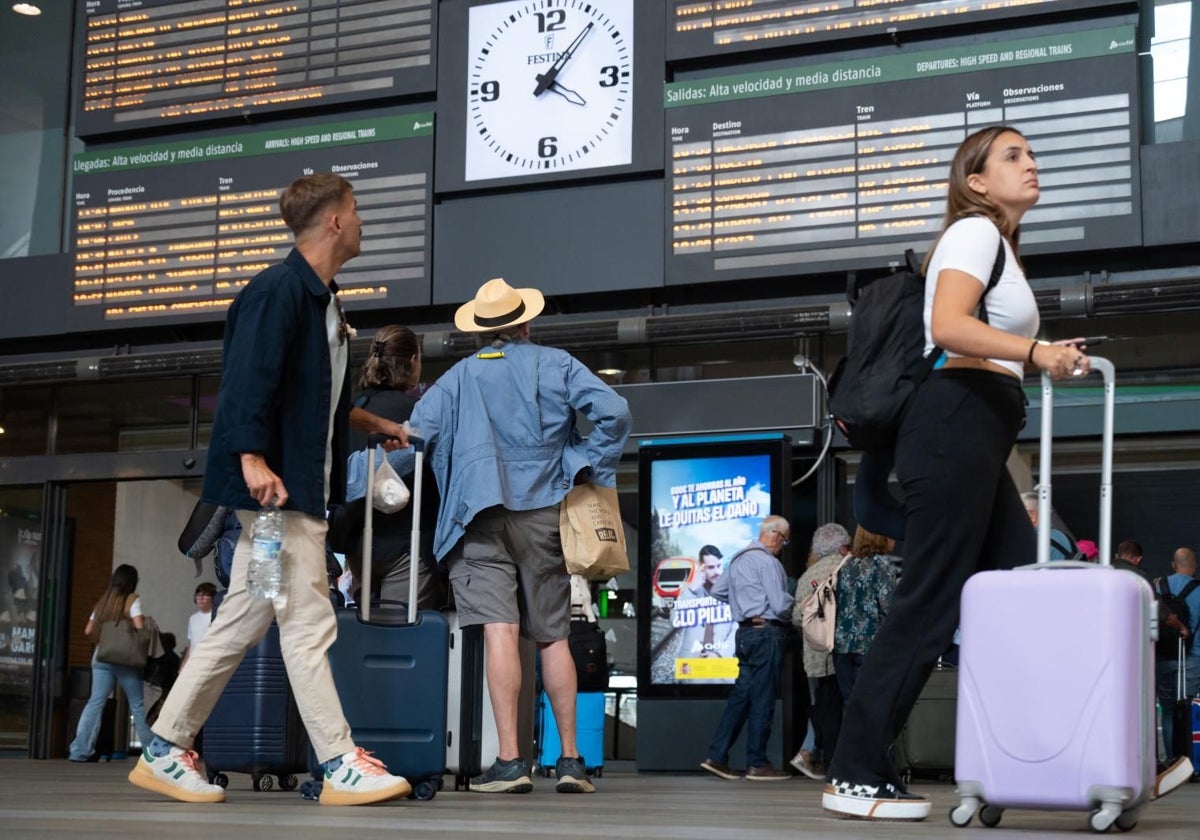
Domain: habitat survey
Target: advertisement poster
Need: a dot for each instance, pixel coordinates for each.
(704, 511)
(20, 549)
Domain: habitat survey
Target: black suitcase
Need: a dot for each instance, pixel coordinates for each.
(925, 746)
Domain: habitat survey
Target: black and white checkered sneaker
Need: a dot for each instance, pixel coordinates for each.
(873, 802)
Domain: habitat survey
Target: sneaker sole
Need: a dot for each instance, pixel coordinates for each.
(142, 776)
(730, 777)
(329, 796)
(782, 778)
(807, 771)
(879, 810)
(521, 785)
(1177, 774)
(569, 784)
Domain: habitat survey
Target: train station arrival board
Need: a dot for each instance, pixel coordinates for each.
(844, 165)
(149, 63)
(173, 231)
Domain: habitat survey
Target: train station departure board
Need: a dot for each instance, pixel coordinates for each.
(173, 231)
(698, 28)
(159, 62)
(844, 165)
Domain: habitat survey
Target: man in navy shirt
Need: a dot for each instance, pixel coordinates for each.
(278, 433)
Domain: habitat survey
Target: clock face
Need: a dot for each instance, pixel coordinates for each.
(549, 87)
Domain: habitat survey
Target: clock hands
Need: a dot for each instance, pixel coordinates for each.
(567, 94)
(546, 81)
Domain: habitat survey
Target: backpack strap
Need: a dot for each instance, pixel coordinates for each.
(1187, 590)
(997, 270)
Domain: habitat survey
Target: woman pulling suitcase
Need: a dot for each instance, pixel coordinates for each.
(963, 510)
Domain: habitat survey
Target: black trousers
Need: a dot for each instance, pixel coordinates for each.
(964, 515)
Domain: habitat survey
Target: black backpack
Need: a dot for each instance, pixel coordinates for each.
(884, 365)
(1167, 647)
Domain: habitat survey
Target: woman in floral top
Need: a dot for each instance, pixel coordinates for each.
(864, 590)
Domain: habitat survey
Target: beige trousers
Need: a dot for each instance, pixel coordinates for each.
(307, 628)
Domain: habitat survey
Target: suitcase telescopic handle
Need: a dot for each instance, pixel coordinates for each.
(1105, 368)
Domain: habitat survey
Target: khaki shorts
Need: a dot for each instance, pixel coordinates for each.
(508, 569)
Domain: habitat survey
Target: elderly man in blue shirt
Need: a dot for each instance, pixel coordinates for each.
(755, 585)
(499, 428)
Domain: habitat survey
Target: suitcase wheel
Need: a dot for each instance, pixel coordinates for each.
(989, 816)
(424, 790)
(961, 815)
(263, 782)
(1102, 819)
(288, 782)
(220, 779)
(1128, 820)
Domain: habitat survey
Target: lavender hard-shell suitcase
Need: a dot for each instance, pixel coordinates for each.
(1056, 675)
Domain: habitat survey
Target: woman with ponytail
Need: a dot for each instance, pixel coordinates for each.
(389, 373)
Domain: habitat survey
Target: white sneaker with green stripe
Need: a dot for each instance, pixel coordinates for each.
(176, 774)
(357, 778)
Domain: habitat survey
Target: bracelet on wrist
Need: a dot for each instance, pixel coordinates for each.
(1033, 347)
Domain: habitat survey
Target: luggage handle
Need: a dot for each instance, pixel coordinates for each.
(1105, 368)
(414, 546)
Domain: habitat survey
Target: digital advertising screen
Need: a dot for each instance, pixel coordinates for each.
(832, 166)
(145, 63)
(701, 504)
(173, 231)
(699, 28)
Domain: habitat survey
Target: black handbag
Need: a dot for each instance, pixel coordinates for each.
(590, 652)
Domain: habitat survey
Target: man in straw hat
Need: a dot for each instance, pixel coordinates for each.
(500, 431)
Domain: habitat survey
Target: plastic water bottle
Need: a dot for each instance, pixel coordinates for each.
(265, 575)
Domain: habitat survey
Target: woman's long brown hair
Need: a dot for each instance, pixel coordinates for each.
(962, 201)
(111, 606)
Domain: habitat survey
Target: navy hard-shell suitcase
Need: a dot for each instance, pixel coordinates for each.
(255, 726)
(390, 667)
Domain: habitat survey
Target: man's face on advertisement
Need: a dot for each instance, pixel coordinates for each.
(712, 568)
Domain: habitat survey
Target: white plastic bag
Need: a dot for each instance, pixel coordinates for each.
(390, 494)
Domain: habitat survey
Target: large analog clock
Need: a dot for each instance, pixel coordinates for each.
(549, 87)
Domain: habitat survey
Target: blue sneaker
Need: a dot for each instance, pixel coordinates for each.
(504, 777)
(572, 776)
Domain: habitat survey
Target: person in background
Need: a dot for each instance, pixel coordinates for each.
(1129, 558)
(1183, 568)
(830, 546)
(951, 455)
(119, 602)
(201, 619)
(1062, 546)
(864, 593)
(756, 587)
(1089, 550)
(389, 373)
(279, 439)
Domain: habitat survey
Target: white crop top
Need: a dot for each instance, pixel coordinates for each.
(969, 245)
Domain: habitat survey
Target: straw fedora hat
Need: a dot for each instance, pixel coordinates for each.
(498, 305)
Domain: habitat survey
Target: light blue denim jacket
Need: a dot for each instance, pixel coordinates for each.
(499, 429)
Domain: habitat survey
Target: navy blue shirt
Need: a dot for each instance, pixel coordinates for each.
(276, 385)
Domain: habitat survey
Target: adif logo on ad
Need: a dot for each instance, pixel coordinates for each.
(1118, 44)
